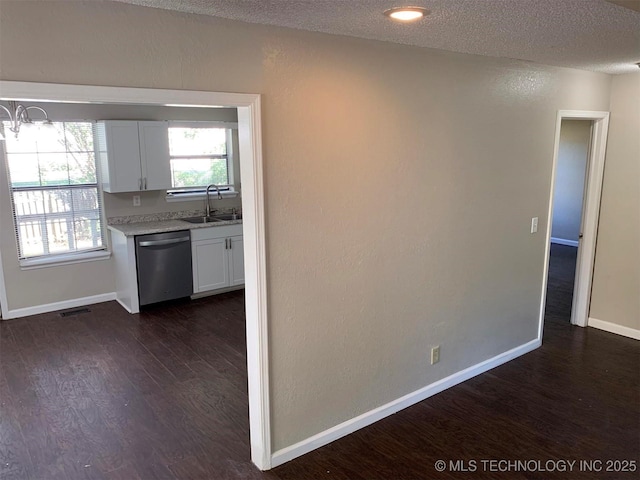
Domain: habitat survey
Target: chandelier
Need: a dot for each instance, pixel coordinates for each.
(19, 114)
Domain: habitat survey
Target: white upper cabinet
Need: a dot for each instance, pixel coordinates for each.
(154, 155)
(133, 156)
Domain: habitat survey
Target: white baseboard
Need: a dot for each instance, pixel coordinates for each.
(361, 421)
(123, 305)
(564, 241)
(614, 328)
(52, 307)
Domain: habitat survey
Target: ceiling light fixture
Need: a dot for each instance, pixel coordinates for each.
(19, 114)
(407, 14)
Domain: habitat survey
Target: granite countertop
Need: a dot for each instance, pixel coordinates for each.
(143, 225)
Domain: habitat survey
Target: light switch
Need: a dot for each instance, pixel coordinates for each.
(534, 224)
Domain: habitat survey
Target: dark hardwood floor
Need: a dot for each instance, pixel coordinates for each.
(562, 268)
(162, 395)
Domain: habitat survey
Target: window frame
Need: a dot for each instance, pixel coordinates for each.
(227, 190)
(66, 257)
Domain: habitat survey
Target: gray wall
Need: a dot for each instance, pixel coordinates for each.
(400, 185)
(615, 296)
(575, 136)
(90, 111)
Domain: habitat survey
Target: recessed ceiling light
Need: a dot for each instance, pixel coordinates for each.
(407, 14)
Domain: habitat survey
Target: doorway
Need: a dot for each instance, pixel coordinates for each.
(574, 205)
(566, 224)
(250, 147)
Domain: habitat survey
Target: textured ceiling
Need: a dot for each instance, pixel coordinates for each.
(597, 35)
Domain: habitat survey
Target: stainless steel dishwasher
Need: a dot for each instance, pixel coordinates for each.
(164, 266)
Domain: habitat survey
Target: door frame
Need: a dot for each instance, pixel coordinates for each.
(4, 307)
(251, 170)
(590, 213)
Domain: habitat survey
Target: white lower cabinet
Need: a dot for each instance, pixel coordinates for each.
(236, 261)
(218, 257)
(210, 264)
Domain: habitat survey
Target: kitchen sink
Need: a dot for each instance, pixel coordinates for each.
(214, 218)
(201, 219)
(228, 216)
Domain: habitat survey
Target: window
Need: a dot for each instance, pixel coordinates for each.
(52, 177)
(199, 156)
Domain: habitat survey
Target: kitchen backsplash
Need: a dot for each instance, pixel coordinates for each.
(153, 203)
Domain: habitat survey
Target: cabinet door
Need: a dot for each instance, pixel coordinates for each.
(210, 264)
(154, 155)
(123, 154)
(236, 261)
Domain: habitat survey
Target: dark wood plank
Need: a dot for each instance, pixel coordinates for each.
(15, 460)
(163, 394)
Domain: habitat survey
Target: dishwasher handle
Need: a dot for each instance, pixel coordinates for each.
(169, 241)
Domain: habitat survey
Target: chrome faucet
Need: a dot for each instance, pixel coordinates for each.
(208, 209)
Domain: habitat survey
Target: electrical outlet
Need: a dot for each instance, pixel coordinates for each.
(435, 354)
(534, 224)
(136, 200)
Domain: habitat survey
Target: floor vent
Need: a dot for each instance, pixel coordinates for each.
(75, 311)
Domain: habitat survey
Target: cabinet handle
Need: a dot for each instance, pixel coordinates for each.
(144, 181)
(230, 246)
(168, 241)
(139, 183)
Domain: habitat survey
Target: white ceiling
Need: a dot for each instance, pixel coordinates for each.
(597, 35)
